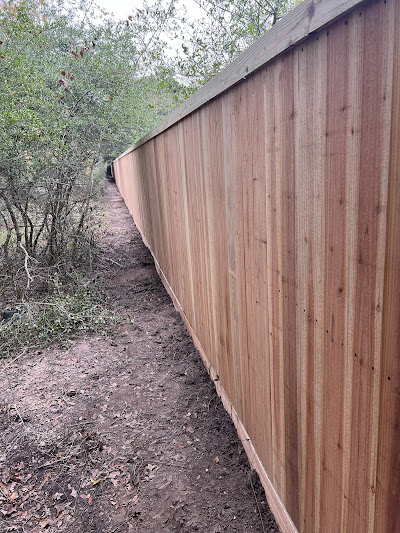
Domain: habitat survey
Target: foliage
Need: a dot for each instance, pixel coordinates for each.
(227, 29)
(76, 87)
(65, 311)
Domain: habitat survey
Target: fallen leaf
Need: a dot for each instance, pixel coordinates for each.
(216, 460)
(13, 496)
(74, 494)
(60, 507)
(5, 475)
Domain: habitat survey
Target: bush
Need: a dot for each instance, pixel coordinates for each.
(60, 316)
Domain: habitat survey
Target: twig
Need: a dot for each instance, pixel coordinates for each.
(5, 245)
(13, 360)
(18, 413)
(27, 256)
(118, 527)
(120, 416)
(112, 261)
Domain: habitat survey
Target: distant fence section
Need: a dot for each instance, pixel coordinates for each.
(271, 203)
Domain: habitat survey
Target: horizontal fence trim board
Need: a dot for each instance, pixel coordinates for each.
(276, 505)
(297, 25)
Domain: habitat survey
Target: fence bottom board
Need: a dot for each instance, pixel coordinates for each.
(276, 505)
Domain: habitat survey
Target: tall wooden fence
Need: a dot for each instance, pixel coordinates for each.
(271, 203)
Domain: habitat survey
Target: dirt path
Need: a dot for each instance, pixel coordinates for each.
(123, 433)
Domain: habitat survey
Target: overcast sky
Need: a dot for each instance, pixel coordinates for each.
(122, 8)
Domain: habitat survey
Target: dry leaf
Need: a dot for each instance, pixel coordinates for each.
(60, 507)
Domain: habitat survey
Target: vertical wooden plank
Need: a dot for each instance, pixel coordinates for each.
(190, 206)
(180, 266)
(287, 281)
(231, 194)
(370, 250)
(335, 278)
(241, 152)
(353, 137)
(157, 199)
(212, 142)
(159, 163)
(209, 287)
(258, 378)
(205, 263)
(198, 227)
(310, 128)
(207, 157)
(387, 516)
(272, 195)
(190, 308)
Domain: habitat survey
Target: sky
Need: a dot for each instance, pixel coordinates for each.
(123, 8)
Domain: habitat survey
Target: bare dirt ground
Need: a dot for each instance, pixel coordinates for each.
(123, 432)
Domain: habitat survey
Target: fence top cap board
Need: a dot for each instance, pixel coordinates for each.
(307, 18)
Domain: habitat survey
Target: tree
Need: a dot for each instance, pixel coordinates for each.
(74, 85)
(227, 29)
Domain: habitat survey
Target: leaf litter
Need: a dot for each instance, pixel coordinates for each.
(123, 432)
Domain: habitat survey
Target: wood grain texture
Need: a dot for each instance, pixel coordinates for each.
(273, 214)
(307, 18)
(387, 486)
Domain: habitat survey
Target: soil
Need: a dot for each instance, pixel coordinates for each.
(124, 431)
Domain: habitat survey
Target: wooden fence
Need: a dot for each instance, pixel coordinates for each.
(271, 203)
